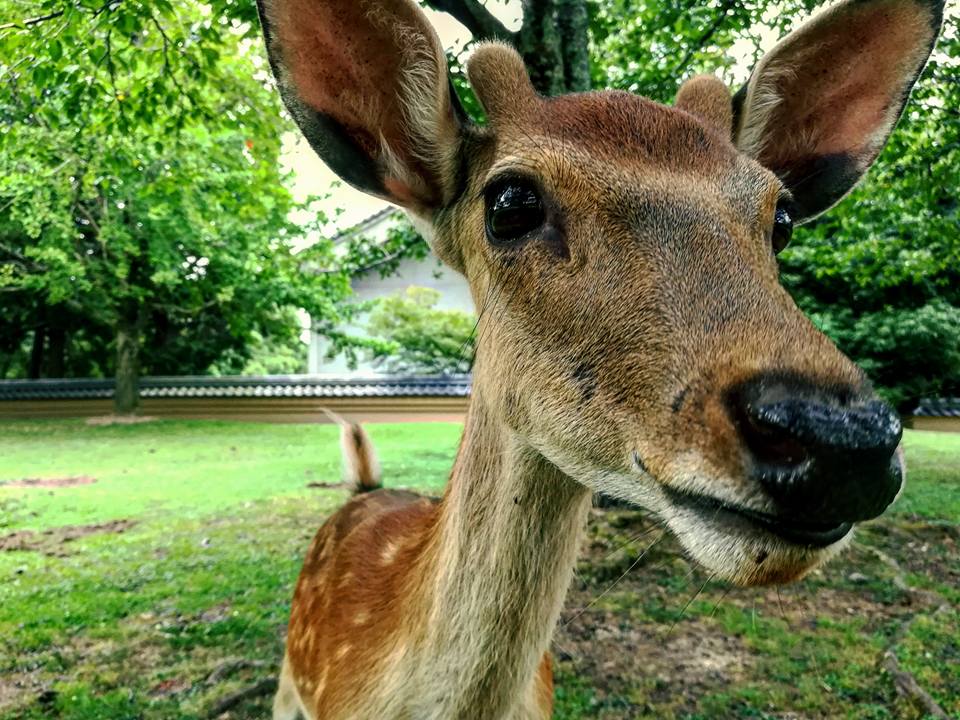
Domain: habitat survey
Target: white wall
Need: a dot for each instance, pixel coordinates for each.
(429, 272)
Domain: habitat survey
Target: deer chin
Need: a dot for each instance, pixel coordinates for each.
(734, 547)
(732, 541)
(736, 542)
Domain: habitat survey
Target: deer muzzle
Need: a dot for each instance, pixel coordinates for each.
(823, 460)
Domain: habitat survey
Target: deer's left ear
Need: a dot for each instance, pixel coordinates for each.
(819, 107)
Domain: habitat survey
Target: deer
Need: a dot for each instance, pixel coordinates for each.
(633, 338)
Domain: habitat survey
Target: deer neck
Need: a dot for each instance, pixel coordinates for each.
(505, 545)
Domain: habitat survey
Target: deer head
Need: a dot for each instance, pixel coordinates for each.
(622, 257)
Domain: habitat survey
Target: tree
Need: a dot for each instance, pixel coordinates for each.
(282, 352)
(158, 215)
(880, 274)
(420, 338)
(118, 65)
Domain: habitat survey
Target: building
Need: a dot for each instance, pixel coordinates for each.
(428, 272)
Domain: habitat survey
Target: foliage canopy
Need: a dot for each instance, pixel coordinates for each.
(141, 202)
(166, 108)
(421, 338)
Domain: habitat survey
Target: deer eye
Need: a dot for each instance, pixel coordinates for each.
(513, 209)
(782, 229)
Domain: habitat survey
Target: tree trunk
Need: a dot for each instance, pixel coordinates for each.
(56, 352)
(554, 43)
(36, 353)
(573, 23)
(554, 39)
(539, 43)
(126, 395)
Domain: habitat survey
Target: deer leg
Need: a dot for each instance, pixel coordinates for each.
(286, 703)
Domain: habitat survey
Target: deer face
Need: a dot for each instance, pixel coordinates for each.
(621, 255)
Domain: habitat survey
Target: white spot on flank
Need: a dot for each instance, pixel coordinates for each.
(361, 617)
(321, 684)
(389, 552)
(343, 650)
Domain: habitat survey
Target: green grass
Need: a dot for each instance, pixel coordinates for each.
(170, 467)
(130, 625)
(222, 515)
(933, 476)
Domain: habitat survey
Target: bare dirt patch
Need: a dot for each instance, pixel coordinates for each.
(683, 664)
(642, 625)
(926, 548)
(50, 482)
(52, 542)
(327, 485)
(119, 419)
(170, 686)
(15, 688)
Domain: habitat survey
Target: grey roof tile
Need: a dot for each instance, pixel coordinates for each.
(304, 386)
(938, 407)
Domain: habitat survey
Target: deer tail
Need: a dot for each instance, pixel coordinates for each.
(361, 469)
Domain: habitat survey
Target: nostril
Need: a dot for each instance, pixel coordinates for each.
(870, 431)
(766, 430)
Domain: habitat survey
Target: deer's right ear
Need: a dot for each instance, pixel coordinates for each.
(366, 81)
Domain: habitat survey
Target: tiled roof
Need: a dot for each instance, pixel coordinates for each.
(940, 407)
(307, 386)
(368, 222)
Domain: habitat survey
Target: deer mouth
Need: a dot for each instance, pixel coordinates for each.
(792, 530)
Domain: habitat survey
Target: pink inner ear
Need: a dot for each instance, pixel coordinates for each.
(840, 93)
(342, 64)
(402, 193)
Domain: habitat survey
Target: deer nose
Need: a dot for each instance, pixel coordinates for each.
(820, 459)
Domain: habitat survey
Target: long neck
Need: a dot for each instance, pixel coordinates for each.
(504, 546)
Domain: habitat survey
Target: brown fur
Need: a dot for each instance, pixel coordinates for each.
(346, 562)
(367, 476)
(608, 343)
(708, 98)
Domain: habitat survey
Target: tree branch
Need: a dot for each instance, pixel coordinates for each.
(229, 666)
(264, 687)
(681, 66)
(907, 686)
(475, 17)
(89, 217)
(167, 68)
(904, 682)
(29, 22)
(14, 256)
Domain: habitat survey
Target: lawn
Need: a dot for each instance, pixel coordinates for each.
(152, 577)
